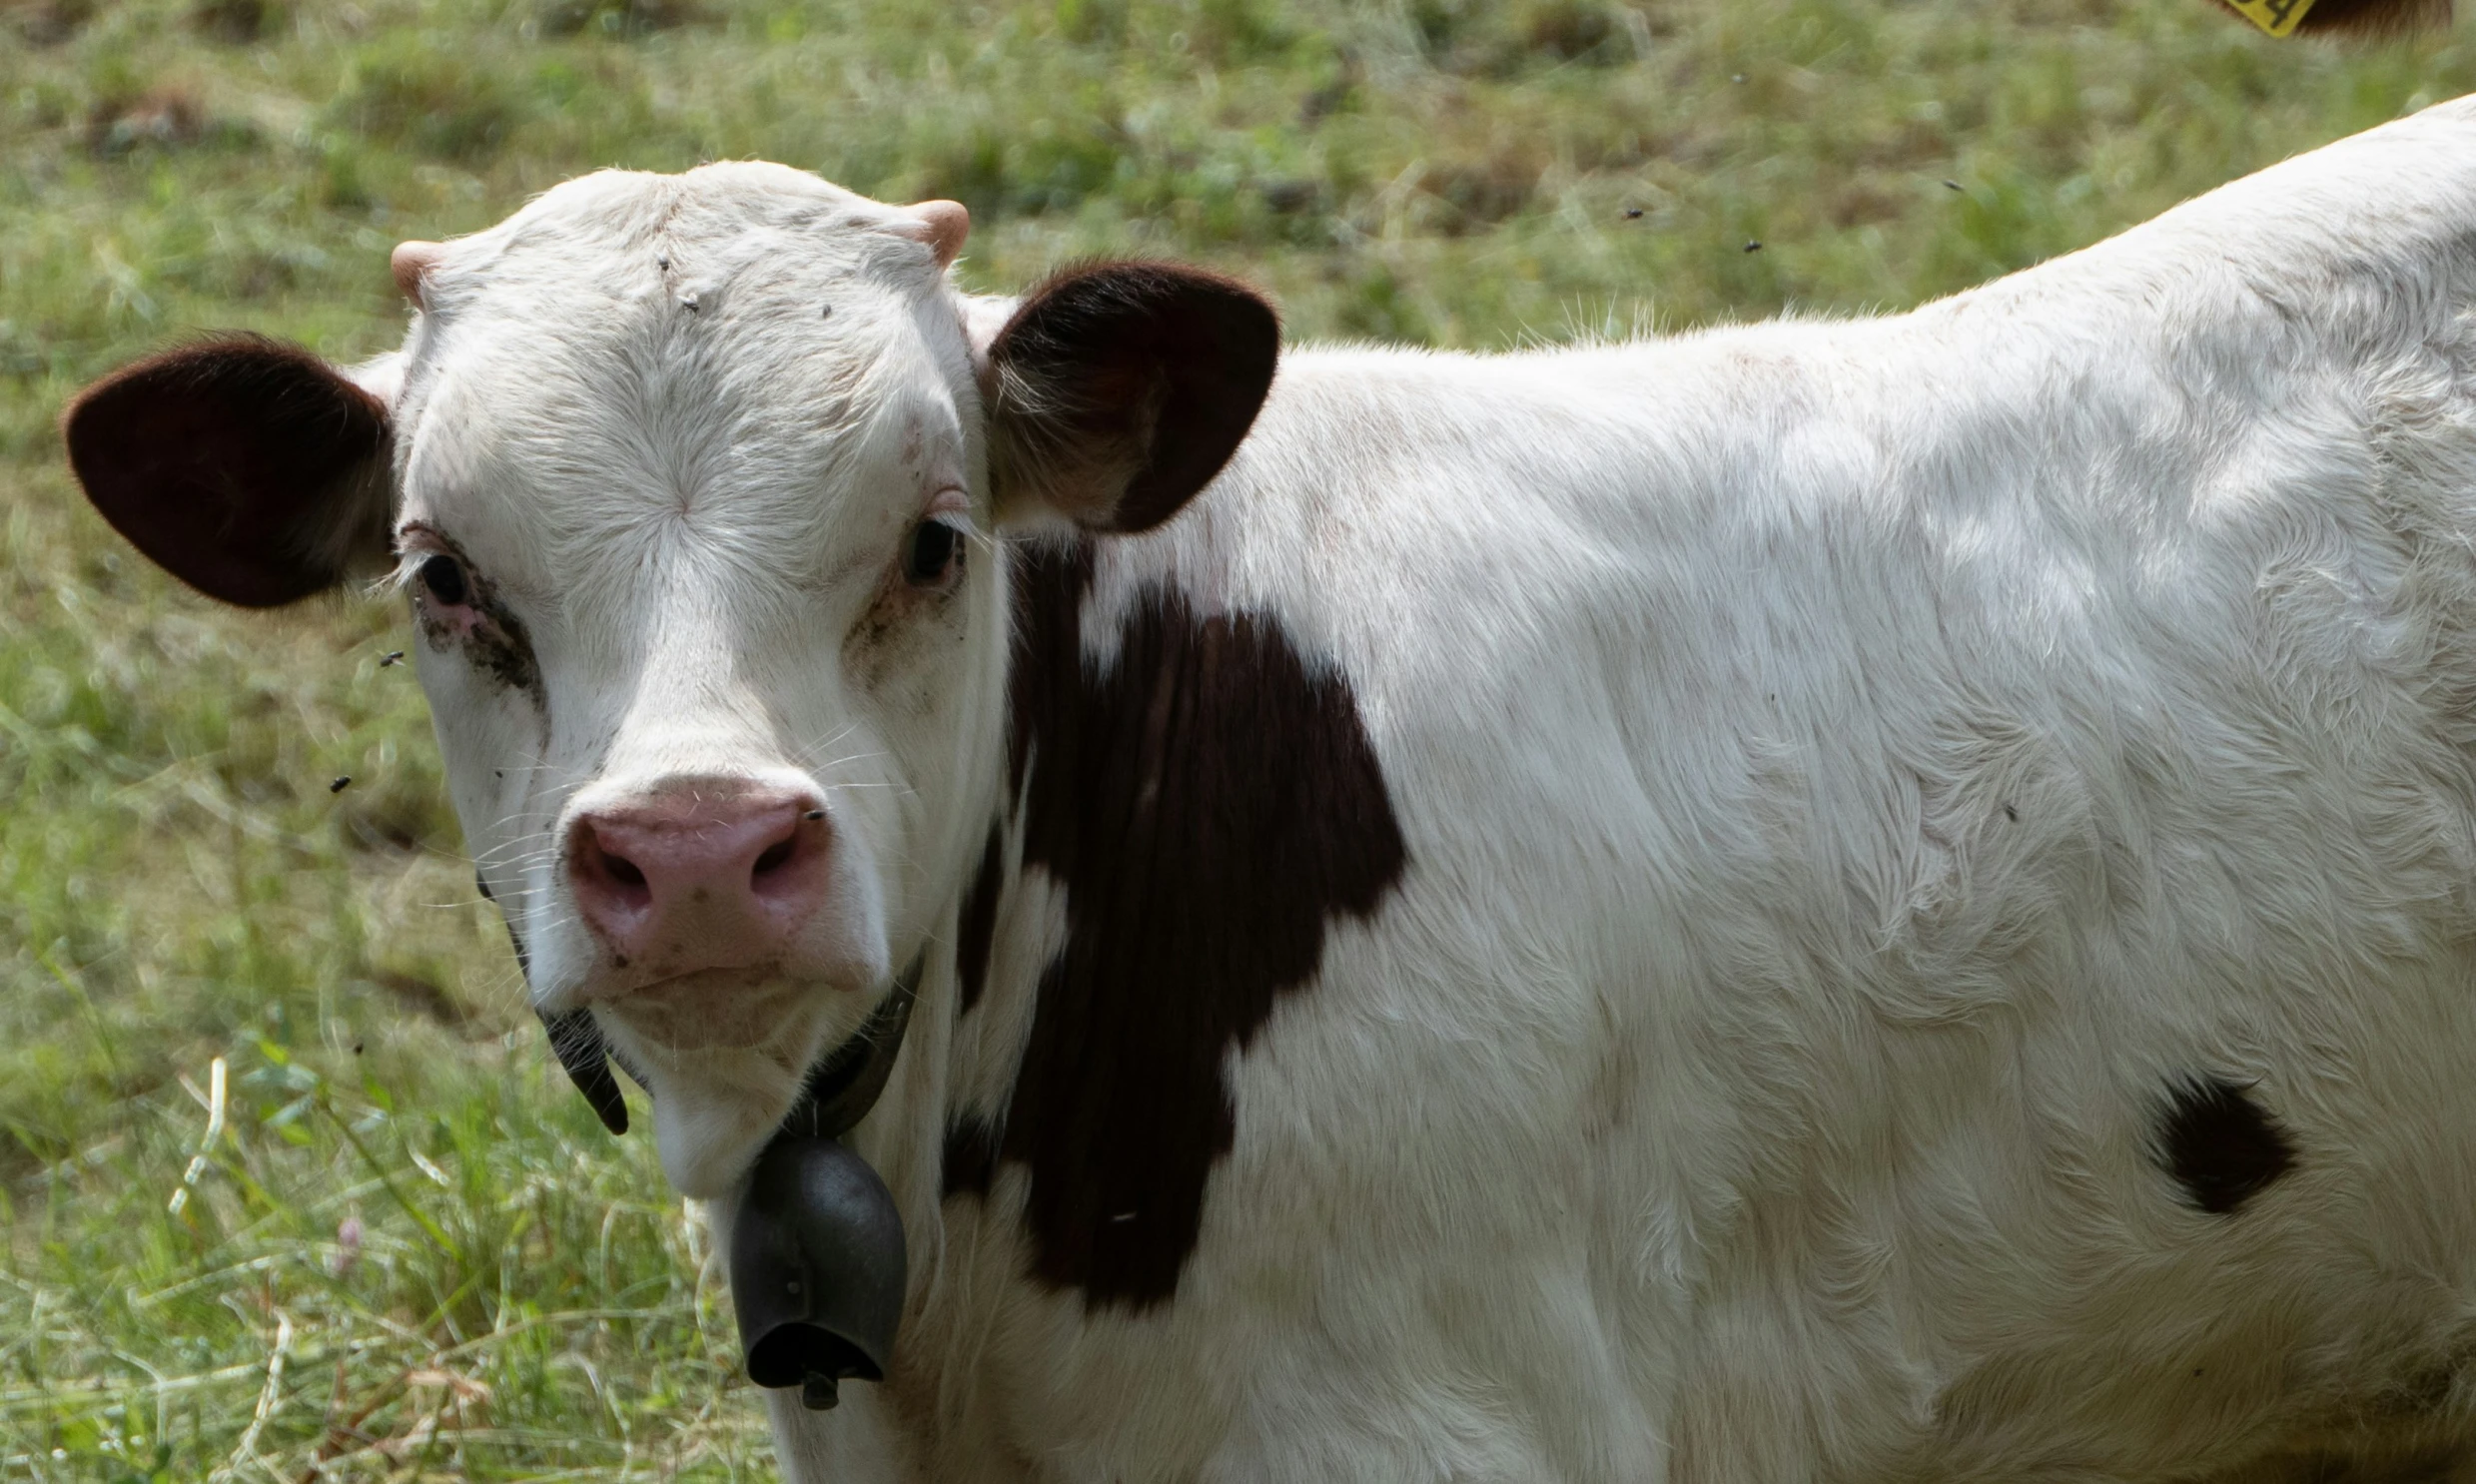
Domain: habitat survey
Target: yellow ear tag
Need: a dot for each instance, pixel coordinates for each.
(2277, 17)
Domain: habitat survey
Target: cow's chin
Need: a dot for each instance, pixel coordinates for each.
(714, 1010)
(727, 1054)
(709, 1129)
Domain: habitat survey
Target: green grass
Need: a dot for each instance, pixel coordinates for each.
(178, 883)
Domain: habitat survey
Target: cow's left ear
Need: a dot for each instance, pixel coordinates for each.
(251, 470)
(1119, 391)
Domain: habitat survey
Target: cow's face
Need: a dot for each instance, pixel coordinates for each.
(691, 484)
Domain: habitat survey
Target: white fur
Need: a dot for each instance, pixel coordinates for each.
(1850, 771)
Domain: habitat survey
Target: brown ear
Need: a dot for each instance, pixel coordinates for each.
(250, 469)
(1120, 389)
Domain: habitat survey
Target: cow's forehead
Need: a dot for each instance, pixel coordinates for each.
(743, 347)
(614, 230)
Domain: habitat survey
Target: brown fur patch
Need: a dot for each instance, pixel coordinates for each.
(977, 926)
(1209, 806)
(2221, 1146)
(969, 1157)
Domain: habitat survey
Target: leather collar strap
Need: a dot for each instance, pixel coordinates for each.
(846, 1084)
(840, 1091)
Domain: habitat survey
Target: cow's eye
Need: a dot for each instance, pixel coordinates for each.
(933, 555)
(443, 576)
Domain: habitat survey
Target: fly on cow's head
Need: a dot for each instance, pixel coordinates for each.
(709, 629)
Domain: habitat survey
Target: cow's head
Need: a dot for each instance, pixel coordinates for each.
(692, 482)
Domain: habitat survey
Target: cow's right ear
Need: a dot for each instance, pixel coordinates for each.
(1119, 391)
(251, 470)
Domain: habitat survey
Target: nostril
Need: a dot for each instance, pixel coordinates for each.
(776, 856)
(606, 872)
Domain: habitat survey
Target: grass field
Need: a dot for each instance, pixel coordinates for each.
(406, 1250)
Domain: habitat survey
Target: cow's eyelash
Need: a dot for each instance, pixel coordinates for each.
(411, 552)
(398, 580)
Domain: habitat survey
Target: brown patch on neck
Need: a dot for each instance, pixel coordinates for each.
(976, 925)
(1208, 805)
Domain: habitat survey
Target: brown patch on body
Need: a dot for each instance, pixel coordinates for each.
(2221, 1144)
(1208, 805)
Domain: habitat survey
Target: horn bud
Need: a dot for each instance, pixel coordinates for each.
(410, 263)
(943, 226)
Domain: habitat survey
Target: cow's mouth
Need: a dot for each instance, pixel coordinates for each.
(711, 1009)
(817, 1256)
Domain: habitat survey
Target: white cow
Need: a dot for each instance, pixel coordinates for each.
(1862, 900)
